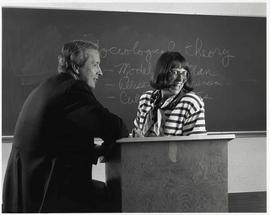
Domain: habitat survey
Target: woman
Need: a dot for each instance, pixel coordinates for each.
(50, 165)
(172, 108)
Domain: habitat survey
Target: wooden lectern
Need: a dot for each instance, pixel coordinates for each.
(170, 174)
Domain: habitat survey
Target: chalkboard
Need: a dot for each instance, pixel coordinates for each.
(227, 57)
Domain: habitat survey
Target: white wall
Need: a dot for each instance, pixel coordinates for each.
(252, 8)
(247, 165)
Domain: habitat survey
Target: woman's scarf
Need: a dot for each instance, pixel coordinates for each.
(155, 119)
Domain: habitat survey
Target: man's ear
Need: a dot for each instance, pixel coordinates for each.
(75, 68)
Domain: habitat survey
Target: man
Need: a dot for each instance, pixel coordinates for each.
(50, 165)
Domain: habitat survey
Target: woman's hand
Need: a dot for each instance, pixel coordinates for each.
(136, 133)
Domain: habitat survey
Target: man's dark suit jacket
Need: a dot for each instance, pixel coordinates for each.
(50, 166)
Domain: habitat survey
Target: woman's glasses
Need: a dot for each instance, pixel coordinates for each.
(178, 71)
(179, 74)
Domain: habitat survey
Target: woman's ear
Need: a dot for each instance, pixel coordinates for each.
(184, 78)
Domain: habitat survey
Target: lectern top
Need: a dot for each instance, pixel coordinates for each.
(177, 138)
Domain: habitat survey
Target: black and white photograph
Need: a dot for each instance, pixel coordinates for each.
(134, 106)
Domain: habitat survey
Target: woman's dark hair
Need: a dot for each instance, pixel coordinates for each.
(73, 54)
(161, 75)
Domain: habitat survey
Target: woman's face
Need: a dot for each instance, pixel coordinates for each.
(177, 77)
(91, 70)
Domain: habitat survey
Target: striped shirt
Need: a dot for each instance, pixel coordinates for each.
(186, 117)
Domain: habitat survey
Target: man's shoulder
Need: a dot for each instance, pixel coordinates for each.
(58, 79)
(70, 83)
(63, 84)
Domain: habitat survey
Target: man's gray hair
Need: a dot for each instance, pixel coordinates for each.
(73, 55)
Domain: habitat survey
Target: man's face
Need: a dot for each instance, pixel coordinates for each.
(91, 71)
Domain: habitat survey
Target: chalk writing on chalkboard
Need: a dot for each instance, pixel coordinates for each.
(128, 74)
(135, 50)
(198, 49)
